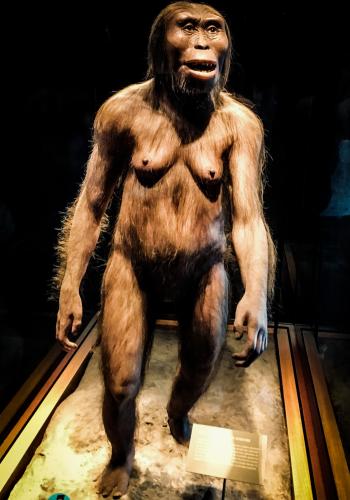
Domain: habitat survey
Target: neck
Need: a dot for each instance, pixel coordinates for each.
(196, 107)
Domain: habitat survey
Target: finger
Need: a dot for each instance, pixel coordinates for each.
(260, 342)
(244, 363)
(250, 352)
(69, 345)
(243, 354)
(239, 328)
(76, 326)
(252, 338)
(266, 341)
(62, 328)
(249, 355)
(245, 357)
(62, 335)
(239, 323)
(238, 331)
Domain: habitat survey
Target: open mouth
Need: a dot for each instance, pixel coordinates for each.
(203, 66)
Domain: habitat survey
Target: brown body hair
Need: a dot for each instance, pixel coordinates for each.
(178, 145)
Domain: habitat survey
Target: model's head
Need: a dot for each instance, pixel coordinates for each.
(189, 48)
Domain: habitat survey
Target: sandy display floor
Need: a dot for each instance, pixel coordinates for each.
(75, 450)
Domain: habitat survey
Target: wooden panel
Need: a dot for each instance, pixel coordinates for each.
(321, 469)
(167, 323)
(19, 453)
(300, 468)
(28, 387)
(16, 429)
(173, 324)
(334, 445)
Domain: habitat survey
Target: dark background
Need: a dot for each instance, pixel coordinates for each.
(60, 65)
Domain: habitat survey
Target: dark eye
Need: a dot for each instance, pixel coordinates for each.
(188, 27)
(212, 28)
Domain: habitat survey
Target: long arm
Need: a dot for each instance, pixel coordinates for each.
(251, 238)
(82, 235)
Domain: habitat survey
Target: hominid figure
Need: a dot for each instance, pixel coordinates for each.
(173, 143)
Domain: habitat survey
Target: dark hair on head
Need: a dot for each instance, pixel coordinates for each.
(157, 57)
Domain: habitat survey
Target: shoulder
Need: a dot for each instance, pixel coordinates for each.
(117, 111)
(240, 117)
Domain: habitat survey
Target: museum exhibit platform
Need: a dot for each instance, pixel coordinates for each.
(54, 441)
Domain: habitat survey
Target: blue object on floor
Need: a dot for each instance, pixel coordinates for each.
(59, 496)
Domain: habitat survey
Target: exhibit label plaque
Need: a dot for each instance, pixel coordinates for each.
(226, 453)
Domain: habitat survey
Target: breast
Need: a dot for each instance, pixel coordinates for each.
(156, 145)
(205, 157)
(204, 162)
(152, 157)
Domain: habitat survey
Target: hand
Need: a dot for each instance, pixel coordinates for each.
(251, 317)
(69, 317)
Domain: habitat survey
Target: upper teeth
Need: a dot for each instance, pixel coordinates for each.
(207, 66)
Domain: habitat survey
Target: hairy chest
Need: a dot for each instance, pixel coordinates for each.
(158, 147)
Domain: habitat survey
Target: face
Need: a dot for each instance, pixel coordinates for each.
(196, 44)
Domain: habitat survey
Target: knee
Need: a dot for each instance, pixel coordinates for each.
(123, 390)
(196, 371)
(201, 360)
(202, 354)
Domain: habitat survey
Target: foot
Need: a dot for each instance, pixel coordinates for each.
(180, 428)
(115, 479)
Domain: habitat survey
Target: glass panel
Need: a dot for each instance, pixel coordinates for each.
(336, 362)
(285, 65)
(74, 450)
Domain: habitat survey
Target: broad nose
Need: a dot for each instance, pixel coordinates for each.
(201, 41)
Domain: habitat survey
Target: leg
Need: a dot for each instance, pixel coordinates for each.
(123, 344)
(201, 342)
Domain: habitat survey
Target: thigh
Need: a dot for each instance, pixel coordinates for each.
(123, 323)
(203, 329)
